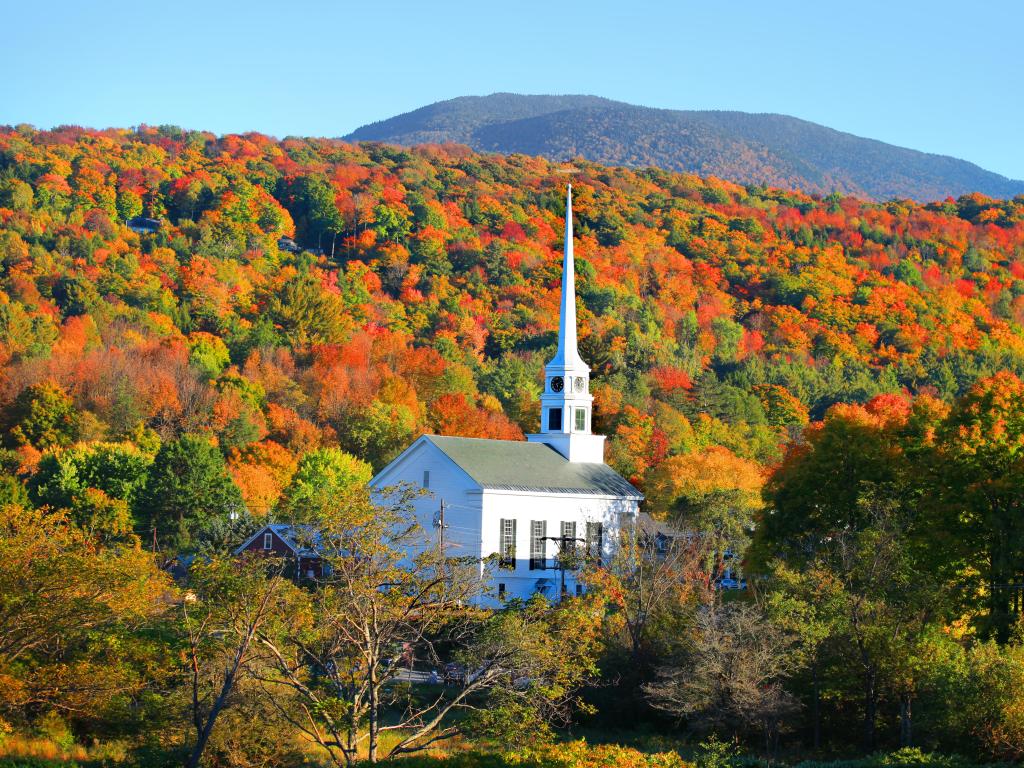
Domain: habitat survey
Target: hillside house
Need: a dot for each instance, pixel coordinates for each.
(296, 543)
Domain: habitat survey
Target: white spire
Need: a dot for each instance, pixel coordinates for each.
(568, 355)
(566, 402)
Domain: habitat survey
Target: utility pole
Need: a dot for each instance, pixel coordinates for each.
(440, 525)
(440, 528)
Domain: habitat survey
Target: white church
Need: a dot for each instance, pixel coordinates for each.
(523, 504)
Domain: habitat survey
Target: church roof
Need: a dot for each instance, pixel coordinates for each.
(510, 465)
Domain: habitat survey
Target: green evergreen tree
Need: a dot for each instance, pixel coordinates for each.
(188, 484)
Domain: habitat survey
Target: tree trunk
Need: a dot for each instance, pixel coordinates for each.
(771, 739)
(352, 753)
(906, 722)
(203, 733)
(230, 675)
(870, 710)
(374, 725)
(816, 708)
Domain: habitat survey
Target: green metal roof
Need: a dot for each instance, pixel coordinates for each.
(511, 465)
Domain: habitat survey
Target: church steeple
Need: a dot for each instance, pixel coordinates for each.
(568, 355)
(566, 402)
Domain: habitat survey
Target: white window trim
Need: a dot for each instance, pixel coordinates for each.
(576, 420)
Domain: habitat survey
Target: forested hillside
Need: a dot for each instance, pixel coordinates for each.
(718, 319)
(832, 382)
(739, 146)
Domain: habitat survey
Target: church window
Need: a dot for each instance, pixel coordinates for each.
(579, 590)
(501, 591)
(595, 541)
(507, 543)
(538, 532)
(426, 478)
(568, 529)
(268, 541)
(581, 420)
(555, 419)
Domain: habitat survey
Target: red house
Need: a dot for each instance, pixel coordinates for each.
(296, 543)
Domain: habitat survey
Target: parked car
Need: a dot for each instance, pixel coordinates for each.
(454, 674)
(731, 583)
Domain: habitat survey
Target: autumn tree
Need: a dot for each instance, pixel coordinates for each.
(323, 477)
(732, 675)
(817, 489)
(262, 471)
(234, 602)
(70, 609)
(41, 416)
(388, 600)
(981, 460)
(711, 492)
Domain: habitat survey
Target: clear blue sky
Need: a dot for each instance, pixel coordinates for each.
(939, 76)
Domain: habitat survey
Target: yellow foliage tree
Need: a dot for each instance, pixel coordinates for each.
(712, 491)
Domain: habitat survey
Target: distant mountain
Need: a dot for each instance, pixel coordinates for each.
(747, 148)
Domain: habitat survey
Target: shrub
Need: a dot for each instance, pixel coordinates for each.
(714, 753)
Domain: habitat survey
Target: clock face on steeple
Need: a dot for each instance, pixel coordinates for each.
(557, 384)
(581, 384)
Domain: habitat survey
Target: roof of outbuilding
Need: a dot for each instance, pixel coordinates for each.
(511, 465)
(303, 540)
(649, 525)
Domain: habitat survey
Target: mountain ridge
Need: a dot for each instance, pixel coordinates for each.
(767, 148)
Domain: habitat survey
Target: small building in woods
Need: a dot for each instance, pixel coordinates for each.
(297, 544)
(142, 225)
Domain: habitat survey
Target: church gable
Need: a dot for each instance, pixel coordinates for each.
(424, 464)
